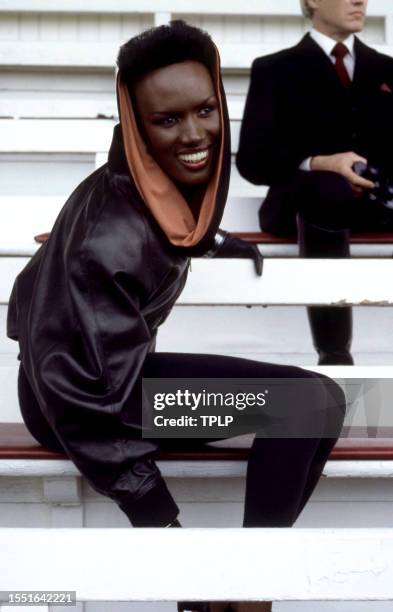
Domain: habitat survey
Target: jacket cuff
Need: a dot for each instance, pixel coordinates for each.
(156, 508)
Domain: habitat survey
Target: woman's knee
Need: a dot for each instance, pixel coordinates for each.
(320, 404)
(334, 407)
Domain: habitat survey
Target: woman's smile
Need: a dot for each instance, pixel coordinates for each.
(196, 160)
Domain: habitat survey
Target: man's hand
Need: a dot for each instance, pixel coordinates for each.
(233, 247)
(342, 164)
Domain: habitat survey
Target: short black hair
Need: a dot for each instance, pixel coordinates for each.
(162, 46)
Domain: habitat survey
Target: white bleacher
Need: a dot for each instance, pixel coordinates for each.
(57, 111)
(353, 566)
(242, 32)
(285, 282)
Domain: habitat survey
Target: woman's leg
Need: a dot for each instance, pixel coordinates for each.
(332, 432)
(282, 472)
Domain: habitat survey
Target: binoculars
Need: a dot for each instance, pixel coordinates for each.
(382, 193)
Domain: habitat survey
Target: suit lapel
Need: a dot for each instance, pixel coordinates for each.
(367, 67)
(319, 68)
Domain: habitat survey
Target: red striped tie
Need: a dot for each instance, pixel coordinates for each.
(339, 52)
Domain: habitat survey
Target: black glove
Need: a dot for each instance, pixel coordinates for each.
(229, 246)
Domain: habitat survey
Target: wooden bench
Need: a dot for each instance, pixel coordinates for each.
(16, 443)
(360, 558)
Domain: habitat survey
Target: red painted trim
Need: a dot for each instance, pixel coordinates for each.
(265, 238)
(17, 443)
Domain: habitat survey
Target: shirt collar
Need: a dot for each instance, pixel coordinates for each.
(327, 44)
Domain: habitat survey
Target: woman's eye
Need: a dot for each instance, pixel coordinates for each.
(206, 110)
(167, 121)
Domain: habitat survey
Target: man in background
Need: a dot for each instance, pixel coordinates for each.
(312, 111)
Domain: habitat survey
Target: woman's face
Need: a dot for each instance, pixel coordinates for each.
(180, 120)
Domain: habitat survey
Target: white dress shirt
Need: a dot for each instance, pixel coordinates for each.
(327, 45)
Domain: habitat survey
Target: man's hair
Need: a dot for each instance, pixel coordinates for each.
(307, 10)
(163, 46)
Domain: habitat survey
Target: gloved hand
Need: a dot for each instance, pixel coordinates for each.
(235, 248)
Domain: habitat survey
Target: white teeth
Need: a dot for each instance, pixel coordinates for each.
(193, 158)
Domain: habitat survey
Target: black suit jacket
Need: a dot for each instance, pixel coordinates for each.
(297, 108)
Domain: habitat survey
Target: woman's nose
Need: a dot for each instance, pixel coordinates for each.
(192, 131)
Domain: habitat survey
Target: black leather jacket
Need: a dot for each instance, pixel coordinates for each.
(85, 311)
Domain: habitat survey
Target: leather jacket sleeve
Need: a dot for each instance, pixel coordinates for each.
(90, 386)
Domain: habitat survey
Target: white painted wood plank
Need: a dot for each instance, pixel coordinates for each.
(74, 105)
(47, 174)
(63, 468)
(38, 214)
(9, 27)
(9, 269)
(63, 83)
(63, 136)
(284, 282)
(389, 29)
(33, 468)
(358, 469)
(66, 135)
(29, 27)
(355, 564)
(162, 18)
(278, 334)
(103, 54)
(24, 608)
(253, 7)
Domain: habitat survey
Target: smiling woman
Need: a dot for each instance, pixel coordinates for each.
(87, 307)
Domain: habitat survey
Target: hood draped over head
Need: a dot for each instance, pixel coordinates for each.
(159, 193)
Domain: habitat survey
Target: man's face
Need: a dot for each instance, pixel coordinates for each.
(338, 18)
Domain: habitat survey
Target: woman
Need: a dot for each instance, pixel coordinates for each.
(86, 308)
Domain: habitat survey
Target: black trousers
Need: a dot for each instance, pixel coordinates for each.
(282, 472)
